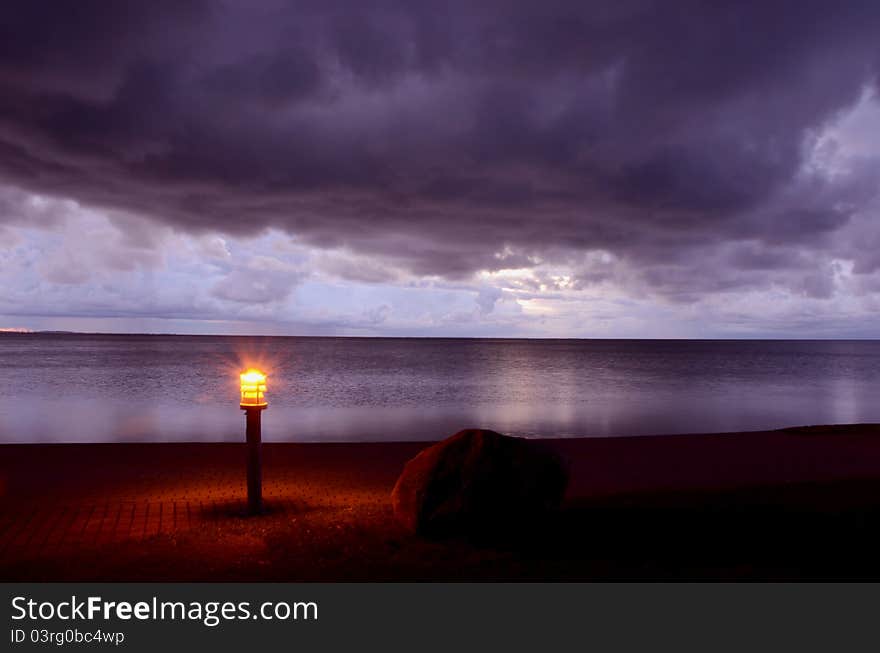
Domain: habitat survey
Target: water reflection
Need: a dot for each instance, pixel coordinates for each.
(135, 388)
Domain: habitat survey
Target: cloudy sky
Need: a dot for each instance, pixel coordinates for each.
(541, 169)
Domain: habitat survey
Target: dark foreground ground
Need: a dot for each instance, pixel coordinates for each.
(794, 504)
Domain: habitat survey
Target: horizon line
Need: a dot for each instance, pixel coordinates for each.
(46, 332)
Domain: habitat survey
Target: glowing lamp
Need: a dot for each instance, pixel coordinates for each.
(253, 389)
(253, 402)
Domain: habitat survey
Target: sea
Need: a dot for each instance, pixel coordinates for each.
(144, 388)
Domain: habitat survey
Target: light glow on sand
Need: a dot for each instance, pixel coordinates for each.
(253, 388)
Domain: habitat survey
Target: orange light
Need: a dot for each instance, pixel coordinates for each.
(253, 388)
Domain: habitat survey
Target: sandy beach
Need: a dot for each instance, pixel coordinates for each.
(796, 503)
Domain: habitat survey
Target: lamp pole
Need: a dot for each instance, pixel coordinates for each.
(254, 458)
(253, 403)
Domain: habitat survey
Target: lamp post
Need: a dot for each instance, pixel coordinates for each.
(253, 402)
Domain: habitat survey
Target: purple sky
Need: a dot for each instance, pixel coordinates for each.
(615, 169)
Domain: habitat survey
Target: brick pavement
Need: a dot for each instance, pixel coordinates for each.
(66, 499)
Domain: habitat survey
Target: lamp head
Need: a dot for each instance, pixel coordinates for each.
(253, 389)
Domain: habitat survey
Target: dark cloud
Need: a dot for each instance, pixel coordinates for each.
(452, 137)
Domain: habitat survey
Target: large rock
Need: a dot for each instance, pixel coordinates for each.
(479, 482)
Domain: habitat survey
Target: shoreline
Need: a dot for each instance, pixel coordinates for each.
(150, 511)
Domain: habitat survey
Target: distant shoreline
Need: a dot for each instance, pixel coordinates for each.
(367, 337)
